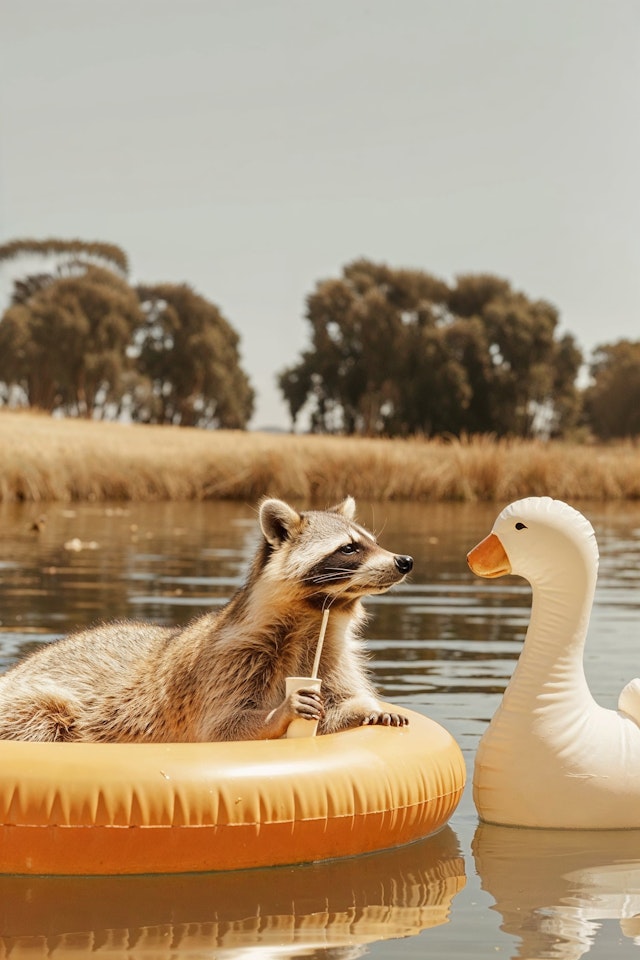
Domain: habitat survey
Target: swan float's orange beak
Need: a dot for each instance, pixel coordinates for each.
(488, 558)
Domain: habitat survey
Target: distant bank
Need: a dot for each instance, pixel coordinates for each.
(45, 459)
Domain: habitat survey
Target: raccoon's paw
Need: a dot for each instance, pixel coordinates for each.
(382, 718)
(306, 703)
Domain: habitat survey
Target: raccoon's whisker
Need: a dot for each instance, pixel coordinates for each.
(318, 581)
(344, 570)
(333, 571)
(329, 576)
(341, 588)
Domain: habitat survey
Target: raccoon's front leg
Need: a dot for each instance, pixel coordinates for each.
(360, 711)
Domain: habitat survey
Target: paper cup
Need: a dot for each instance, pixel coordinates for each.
(301, 727)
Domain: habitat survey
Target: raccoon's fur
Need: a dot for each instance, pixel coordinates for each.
(222, 677)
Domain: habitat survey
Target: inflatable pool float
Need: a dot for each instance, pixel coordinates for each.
(98, 809)
(552, 756)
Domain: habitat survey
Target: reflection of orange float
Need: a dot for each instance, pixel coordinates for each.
(267, 913)
(76, 808)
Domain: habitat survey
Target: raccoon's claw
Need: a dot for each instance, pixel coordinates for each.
(386, 719)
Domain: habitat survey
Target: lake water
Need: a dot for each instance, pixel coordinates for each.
(443, 644)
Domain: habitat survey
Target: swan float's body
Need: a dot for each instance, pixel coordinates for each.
(552, 756)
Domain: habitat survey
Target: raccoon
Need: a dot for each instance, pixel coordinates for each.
(222, 677)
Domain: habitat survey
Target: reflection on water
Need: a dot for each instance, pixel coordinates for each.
(337, 906)
(552, 887)
(444, 644)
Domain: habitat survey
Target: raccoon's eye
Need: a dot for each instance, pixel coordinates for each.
(349, 548)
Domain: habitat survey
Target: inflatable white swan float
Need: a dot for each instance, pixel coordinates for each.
(551, 756)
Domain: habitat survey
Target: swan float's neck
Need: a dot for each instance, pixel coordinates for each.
(551, 663)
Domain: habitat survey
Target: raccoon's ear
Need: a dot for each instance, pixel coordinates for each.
(347, 508)
(278, 521)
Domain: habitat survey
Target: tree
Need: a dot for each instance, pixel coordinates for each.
(79, 338)
(187, 358)
(400, 351)
(350, 376)
(66, 253)
(525, 381)
(563, 406)
(63, 339)
(612, 401)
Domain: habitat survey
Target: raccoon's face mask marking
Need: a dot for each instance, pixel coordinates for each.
(326, 555)
(357, 569)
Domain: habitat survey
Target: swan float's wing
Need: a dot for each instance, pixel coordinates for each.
(629, 700)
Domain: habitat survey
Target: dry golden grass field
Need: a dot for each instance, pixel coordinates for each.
(45, 459)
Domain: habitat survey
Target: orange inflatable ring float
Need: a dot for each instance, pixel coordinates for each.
(81, 808)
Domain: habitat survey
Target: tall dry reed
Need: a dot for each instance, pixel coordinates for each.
(42, 458)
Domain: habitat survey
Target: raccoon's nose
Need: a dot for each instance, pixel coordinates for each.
(404, 564)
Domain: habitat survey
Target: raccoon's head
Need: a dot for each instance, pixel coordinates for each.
(324, 556)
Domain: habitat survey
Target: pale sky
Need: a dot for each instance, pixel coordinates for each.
(254, 147)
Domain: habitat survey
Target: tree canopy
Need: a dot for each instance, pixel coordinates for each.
(103, 254)
(188, 361)
(63, 340)
(396, 351)
(79, 338)
(612, 401)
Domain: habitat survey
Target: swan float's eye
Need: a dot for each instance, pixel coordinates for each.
(521, 526)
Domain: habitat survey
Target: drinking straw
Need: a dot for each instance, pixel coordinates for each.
(323, 630)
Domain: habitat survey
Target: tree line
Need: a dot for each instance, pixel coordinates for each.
(398, 352)
(393, 352)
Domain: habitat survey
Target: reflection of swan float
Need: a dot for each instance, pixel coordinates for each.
(554, 887)
(272, 913)
(80, 808)
(552, 757)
